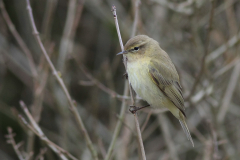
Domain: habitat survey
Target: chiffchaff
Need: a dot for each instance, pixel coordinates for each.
(154, 78)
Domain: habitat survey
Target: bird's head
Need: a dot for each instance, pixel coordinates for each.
(138, 46)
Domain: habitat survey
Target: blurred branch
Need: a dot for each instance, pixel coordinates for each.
(33, 126)
(220, 50)
(119, 123)
(101, 147)
(94, 81)
(209, 89)
(60, 81)
(78, 16)
(48, 18)
(232, 23)
(146, 121)
(41, 154)
(167, 136)
(136, 17)
(184, 7)
(140, 141)
(127, 126)
(224, 69)
(229, 93)
(19, 40)
(10, 139)
(206, 50)
(65, 40)
(219, 9)
(73, 17)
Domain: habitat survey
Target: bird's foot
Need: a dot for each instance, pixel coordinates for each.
(134, 109)
(125, 75)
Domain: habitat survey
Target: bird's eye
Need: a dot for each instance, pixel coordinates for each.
(136, 48)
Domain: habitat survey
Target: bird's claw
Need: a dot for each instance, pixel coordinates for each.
(125, 75)
(133, 109)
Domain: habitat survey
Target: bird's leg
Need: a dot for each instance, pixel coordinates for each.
(125, 75)
(134, 109)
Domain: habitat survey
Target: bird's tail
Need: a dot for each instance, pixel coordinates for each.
(185, 128)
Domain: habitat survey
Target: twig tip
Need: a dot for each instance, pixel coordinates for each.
(114, 11)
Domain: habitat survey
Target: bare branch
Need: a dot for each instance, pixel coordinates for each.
(229, 92)
(223, 48)
(136, 17)
(41, 154)
(125, 92)
(19, 40)
(10, 140)
(37, 130)
(167, 136)
(60, 81)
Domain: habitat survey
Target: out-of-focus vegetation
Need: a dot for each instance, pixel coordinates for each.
(200, 36)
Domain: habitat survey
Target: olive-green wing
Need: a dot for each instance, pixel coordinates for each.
(167, 80)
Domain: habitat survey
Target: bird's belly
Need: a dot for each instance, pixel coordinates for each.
(143, 85)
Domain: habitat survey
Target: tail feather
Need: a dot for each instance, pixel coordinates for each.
(185, 129)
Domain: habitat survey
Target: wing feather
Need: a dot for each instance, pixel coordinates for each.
(167, 80)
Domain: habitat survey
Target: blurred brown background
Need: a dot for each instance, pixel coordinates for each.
(200, 36)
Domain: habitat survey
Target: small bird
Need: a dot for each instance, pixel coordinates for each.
(154, 78)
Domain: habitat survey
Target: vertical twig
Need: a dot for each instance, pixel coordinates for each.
(136, 17)
(60, 81)
(139, 137)
(65, 41)
(167, 137)
(125, 88)
(19, 40)
(119, 123)
(48, 18)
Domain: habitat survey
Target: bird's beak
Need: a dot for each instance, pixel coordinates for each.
(123, 52)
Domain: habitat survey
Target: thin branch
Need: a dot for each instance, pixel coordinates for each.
(48, 18)
(206, 51)
(136, 17)
(65, 40)
(167, 136)
(33, 126)
(224, 69)
(146, 121)
(19, 40)
(41, 154)
(229, 93)
(140, 137)
(101, 147)
(60, 81)
(223, 48)
(184, 7)
(94, 81)
(10, 139)
(116, 132)
(119, 124)
(232, 23)
(127, 126)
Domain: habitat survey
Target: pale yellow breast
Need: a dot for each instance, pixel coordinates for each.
(143, 85)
